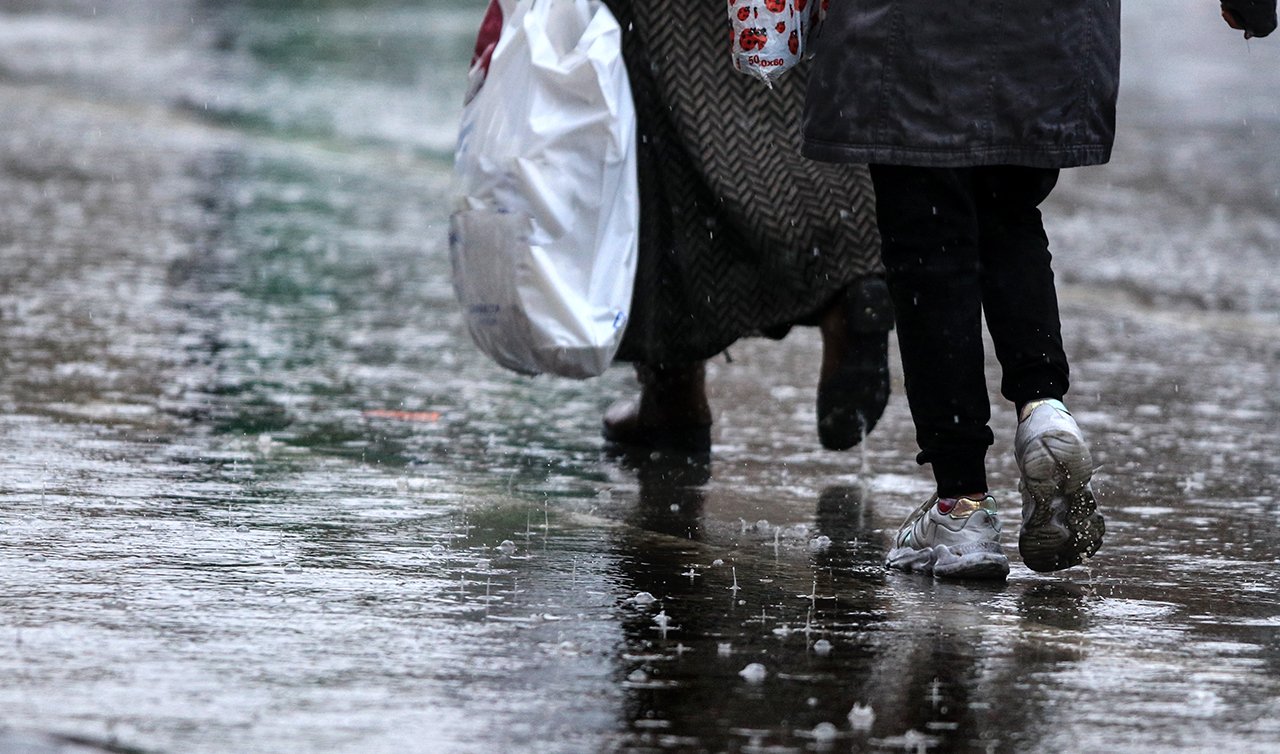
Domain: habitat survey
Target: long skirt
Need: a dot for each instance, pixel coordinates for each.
(739, 234)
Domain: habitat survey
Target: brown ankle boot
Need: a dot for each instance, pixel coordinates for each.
(854, 384)
(671, 413)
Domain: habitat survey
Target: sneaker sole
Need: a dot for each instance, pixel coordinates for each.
(941, 562)
(1059, 468)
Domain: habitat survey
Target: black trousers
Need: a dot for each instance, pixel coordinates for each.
(958, 242)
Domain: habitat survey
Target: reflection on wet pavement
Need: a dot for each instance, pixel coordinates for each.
(259, 493)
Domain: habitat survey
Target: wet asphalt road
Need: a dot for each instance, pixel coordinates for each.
(222, 237)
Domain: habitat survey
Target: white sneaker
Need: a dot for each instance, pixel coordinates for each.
(1061, 525)
(951, 538)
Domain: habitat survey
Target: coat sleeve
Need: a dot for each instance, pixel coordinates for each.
(1257, 16)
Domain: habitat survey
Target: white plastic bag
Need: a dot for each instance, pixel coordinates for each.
(545, 225)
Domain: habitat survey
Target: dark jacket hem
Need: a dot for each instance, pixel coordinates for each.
(1034, 156)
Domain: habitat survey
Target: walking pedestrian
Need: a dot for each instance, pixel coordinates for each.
(966, 112)
(739, 236)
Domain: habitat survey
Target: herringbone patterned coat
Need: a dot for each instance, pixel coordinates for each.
(739, 233)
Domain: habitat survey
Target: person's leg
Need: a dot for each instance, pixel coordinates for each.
(1061, 525)
(930, 247)
(1018, 292)
(853, 386)
(671, 413)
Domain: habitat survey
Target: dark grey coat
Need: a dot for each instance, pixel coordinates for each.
(954, 83)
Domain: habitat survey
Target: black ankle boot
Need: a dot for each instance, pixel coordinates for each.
(854, 387)
(671, 413)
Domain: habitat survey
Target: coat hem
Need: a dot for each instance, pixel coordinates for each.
(944, 157)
